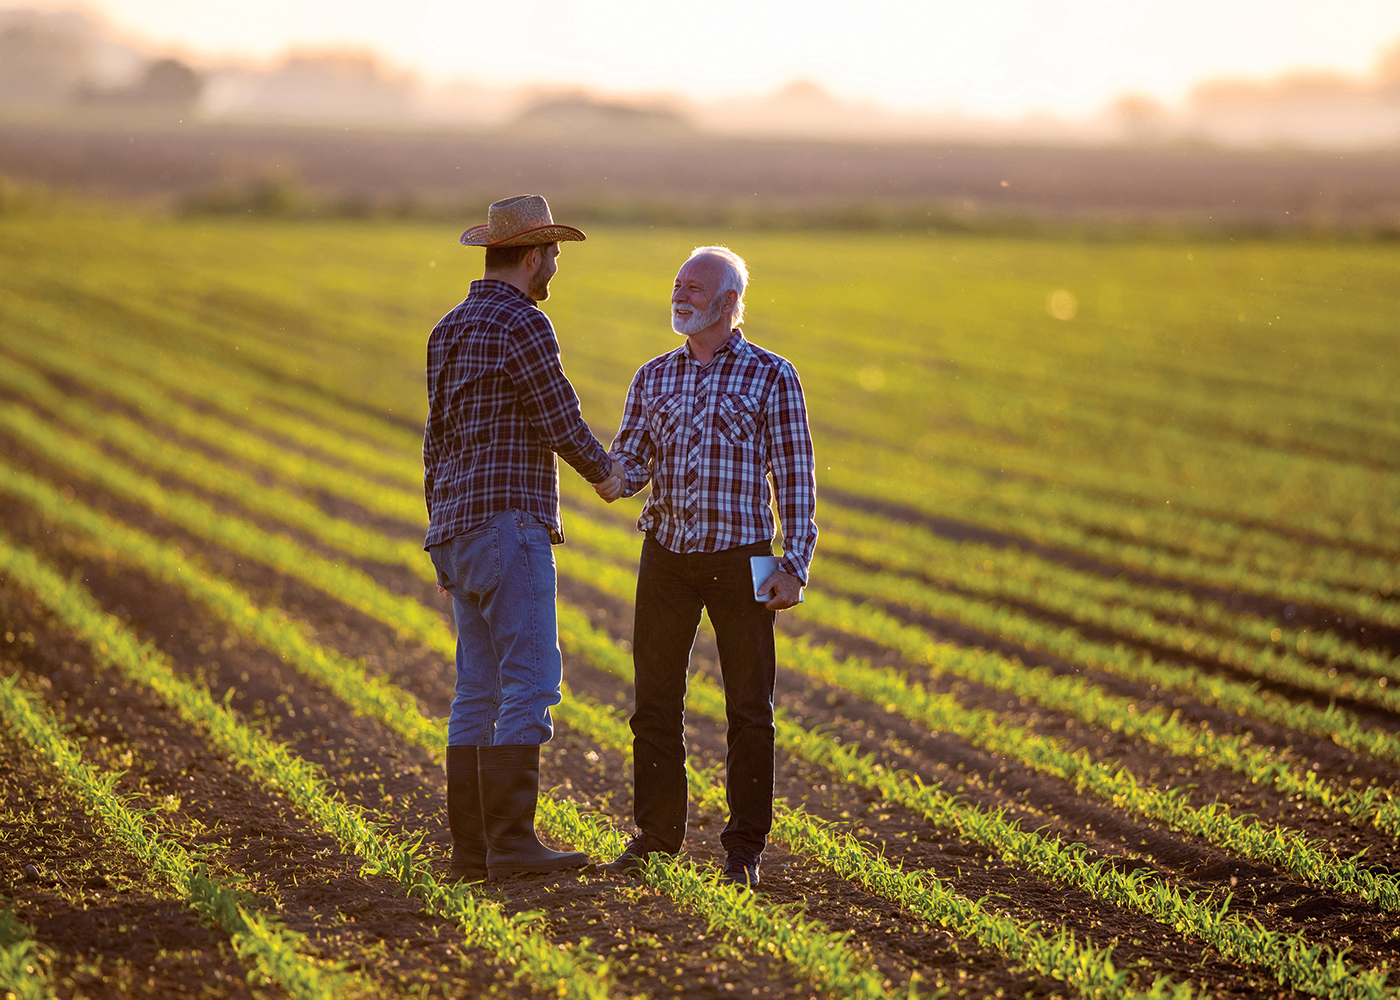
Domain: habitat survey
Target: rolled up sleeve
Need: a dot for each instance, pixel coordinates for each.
(792, 461)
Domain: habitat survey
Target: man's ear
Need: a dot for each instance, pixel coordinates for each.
(534, 258)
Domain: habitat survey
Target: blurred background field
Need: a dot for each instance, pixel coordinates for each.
(1081, 120)
(1128, 387)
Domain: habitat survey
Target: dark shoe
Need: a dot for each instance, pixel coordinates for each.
(740, 868)
(510, 788)
(468, 862)
(633, 857)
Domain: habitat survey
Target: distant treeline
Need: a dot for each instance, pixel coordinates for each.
(1100, 192)
(278, 197)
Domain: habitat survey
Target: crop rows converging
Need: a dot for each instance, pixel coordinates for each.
(1099, 748)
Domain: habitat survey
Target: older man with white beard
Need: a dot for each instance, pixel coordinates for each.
(706, 424)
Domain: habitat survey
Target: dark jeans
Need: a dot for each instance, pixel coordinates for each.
(671, 590)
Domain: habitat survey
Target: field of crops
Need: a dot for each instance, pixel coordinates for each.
(1094, 692)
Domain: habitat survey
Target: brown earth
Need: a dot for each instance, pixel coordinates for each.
(847, 183)
(365, 763)
(662, 949)
(1296, 614)
(115, 933)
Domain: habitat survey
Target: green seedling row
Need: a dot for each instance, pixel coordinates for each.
(1277, 846)
(406, 506)
(411, 618)
(273, 951)
(1090, 505)
(214, 476)
(1280, 845)
(398, 710)
(1275, 665)
(1332, 723)
(350, 681)
(1139, 553)
(1096, 706)
(1317, 969)
(346, 678)
(1283, 847)
(1196, 524)
(1102, 502)
(779, 932)
(1071, 695)
(222, 389)
(1212, 826)
(25, 964)
(350, 585)
(1090, 971)
(408, 472)
(1010, 572)
(1314, 969)
(158, 317)
(1289, 957)
(212, 432)
(369, 544)
(579, 973)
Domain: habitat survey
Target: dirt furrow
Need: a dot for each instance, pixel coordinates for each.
(251, 837)
(1260, 605)
(114, 931)
(400, 787)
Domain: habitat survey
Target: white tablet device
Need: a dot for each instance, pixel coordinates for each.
(762, 568)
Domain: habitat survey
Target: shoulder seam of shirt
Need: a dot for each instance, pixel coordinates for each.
(660, 360)
(773, 358)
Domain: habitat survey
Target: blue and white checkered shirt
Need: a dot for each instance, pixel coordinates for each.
(707, 437)
(499, 409)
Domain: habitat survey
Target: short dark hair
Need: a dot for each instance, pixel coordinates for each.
(503, 258)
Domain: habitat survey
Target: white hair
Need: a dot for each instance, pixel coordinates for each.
(735, 276)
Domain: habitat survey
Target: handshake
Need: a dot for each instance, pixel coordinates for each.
(611, 488)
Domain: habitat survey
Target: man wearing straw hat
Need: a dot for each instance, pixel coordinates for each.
(499, 410)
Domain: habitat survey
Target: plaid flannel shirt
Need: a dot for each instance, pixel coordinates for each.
(499, 408)
(706, 439)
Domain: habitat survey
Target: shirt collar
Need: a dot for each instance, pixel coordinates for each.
(490, 286)
(735, 345)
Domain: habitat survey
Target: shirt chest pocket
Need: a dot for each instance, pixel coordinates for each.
(737, 417)
(664, 415)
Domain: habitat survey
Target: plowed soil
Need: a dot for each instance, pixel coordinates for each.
(119, 935)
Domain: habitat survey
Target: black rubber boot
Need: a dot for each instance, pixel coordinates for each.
(464, 816)
(510, 788)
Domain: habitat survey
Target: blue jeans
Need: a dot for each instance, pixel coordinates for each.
(501, 578)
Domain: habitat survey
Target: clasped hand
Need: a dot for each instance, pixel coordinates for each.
(611, 488)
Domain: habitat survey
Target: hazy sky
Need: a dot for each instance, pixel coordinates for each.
(999, 57)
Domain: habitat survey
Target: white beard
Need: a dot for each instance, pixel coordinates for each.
(698, 321)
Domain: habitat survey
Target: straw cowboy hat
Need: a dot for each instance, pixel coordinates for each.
(522, 221)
